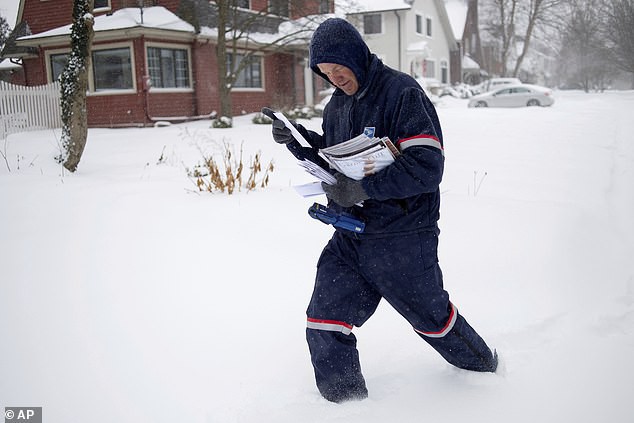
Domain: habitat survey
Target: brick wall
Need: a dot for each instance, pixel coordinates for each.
(284, 81)
(34, 70)
(43, 15)
(115, 110)
(205, 72)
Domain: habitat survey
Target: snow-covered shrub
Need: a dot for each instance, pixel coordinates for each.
(261, 119)
(304, 112)
(222, 122)
(227, 175)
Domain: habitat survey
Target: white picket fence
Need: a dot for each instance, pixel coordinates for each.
(29, 108)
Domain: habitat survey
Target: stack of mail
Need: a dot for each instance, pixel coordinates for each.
(354, 158)
(360, 156)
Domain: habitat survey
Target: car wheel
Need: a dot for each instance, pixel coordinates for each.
(532, 103)
(481, 104)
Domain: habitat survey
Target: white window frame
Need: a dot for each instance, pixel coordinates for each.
(49, 68)
(429, 27)
(444, 65)
(91, 81)
(262, 75)
(170, 46)
(380, 15)
(419, 18)
(104, 8)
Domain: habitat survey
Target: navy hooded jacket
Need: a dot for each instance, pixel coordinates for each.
(405, 196)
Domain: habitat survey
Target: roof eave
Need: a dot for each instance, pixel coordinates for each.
(365, 12)
(26, 53)
(109, 35)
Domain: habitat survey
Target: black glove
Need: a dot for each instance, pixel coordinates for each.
(346, 192)
(281, 134)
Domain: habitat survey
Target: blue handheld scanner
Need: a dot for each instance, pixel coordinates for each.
(338, 220)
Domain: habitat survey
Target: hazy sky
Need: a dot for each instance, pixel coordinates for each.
(9, 9)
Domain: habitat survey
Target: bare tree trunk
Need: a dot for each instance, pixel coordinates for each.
(541, 14)
(620, 33)
(224, 85)
(508, 33)
(533, 15)
(478, 54)
(78, 123)
(74, 84)
(236, 49)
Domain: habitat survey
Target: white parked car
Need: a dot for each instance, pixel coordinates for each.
(514, 96)
(494, 83)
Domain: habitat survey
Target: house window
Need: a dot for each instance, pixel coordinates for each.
(419, 24)
(244, 4)
(429, 68)
(428, 22)
(279, 7)
(112, 69)
(251, 74)
(58, 63)
(324, 6)
(444, 72)
(101, 4)
(372, 24)
(168, 67)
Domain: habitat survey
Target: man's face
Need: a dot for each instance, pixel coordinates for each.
(341, 76)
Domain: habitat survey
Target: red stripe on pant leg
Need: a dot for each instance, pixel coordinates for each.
(329, 325)
(330, 322)
(448, 326)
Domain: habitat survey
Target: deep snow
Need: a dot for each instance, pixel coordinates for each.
(126, 296)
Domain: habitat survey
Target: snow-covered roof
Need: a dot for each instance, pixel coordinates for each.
(9, 65)
(382, 5)
(457, 13)
(469, 63)
(159, 18)
(153, 17)
(294, 32)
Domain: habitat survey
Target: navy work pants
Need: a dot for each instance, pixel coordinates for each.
(352, 277)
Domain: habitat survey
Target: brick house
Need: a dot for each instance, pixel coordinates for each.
(153, 63)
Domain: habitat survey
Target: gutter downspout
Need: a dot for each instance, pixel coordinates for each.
(400, 61)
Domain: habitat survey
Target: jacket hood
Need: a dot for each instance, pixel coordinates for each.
(337, 41)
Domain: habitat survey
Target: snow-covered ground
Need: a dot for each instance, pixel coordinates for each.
(127, 296)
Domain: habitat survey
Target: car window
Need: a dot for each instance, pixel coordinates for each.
(504, 92)
(521, 90)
